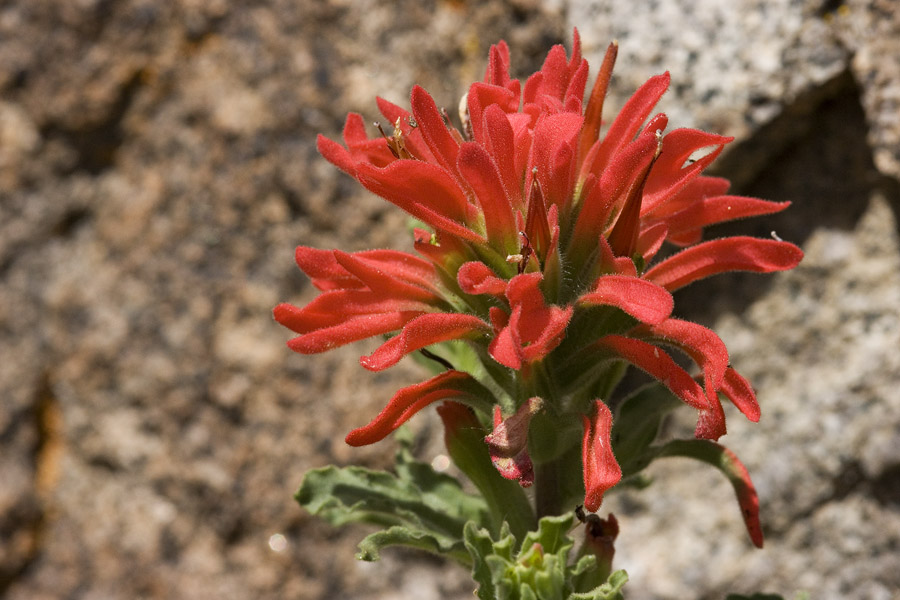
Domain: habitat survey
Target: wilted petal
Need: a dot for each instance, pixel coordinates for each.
(510, 435)
(508, 443)
(724, 255)
(601, 470)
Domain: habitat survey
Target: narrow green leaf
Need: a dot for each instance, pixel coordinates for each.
(728, 463)
(636, 425)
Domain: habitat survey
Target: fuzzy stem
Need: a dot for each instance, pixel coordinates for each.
(546, 483)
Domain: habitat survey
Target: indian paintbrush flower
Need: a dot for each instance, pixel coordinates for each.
(537, 252)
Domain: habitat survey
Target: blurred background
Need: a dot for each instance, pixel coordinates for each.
(158, 166)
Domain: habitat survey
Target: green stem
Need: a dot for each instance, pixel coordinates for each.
(546, 481)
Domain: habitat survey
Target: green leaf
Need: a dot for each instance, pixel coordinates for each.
(636, 425)
(728, 463)
(540, 570)
(420, 507)
(611, 590)
(480, 546)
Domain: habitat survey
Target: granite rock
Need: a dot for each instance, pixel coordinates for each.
(158, 165)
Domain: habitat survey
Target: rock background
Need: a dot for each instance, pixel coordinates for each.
(157, 166)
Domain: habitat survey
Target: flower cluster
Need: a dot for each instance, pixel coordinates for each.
(539, 256)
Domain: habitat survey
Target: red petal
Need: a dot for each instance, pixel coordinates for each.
(650, 240)
(645, 301)
(420, 332)
(323, 269)
(612, 183)
(351, 330)
(575, 90)
(434, 130)
(632, 116)
(738, 390)
(444, 207)
(499, 139)
(554, 134)
(700, 343)
(336, 154)
(326, 273)
(711, 420)
(480, 172)
(379, 278)
(669, 174)
(537, 229)
(408, 401)
(482, 95)
(477, 278)
(593, 114)
(601, 471)
(497, 72)
(724, 255)
(658, 364)
(539, 328)
(506, 347)
(554, 75)
(709, 211)
(336, 306)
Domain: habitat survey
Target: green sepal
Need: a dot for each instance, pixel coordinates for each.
(419, 506)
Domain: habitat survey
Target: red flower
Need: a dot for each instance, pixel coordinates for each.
(541, 249)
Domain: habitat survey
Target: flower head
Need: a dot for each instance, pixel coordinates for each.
(539, 253)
